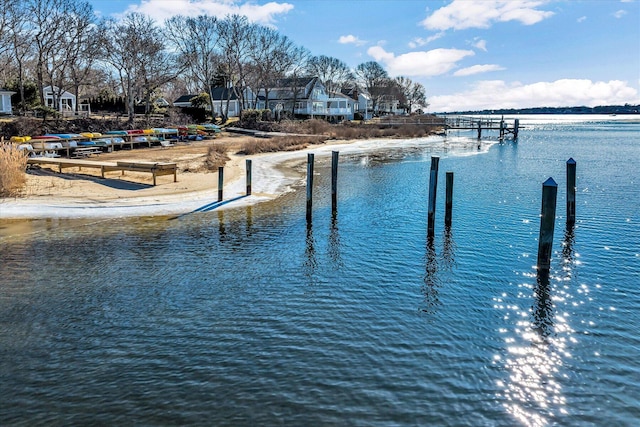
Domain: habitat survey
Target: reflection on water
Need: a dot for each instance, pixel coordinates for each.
(333, 247)
(431, 280)
(222, 230)
(567, 248)
(535, 358)
(448, 249)
(310, 259)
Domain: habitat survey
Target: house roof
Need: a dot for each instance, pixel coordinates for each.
(184, 98)
(218, 93)
(64, 94)
(223, 93)
(341, 95)
(290, 82)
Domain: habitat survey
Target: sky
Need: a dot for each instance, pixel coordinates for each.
(468, 54)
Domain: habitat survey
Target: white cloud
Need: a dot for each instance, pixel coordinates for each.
(462, 14)
(582, 19)
(159, 10)
(494, 94)
(424, 63)
(480, 44)
(477, 69)
(419, 41)
(619, 14)
(351, 39)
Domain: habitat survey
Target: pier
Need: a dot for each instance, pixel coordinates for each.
(483, 124)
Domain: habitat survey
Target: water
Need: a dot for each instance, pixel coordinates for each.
(249, 317)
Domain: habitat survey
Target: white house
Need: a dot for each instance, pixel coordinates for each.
(307, 97)
(5, 101)
(66, 100)
(364, 103)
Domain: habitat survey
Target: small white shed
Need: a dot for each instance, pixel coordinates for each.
(5, 101)
(67, 100)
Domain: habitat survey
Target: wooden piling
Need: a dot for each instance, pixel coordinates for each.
(220, 182)
(433, 186)
(516, 128)
(479, 131)
(547, 223)
(502, 128)
(449, 200)
(309, 186)
(334, 180)
(571, 191)
(248, 167)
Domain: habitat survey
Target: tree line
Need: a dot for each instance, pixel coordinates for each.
(63, 44)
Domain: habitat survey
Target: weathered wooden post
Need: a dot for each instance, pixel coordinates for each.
(516, 128)
(479, 130)
(448, 205)
(502, 128)
(334, 180)
(571, 191)
(547, 223)
(309, 185)
(433, 186)
(220, 182)
(248, 167)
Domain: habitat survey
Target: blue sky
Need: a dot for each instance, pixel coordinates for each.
(469, 54)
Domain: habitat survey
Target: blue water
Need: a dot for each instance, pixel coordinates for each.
(250, 317)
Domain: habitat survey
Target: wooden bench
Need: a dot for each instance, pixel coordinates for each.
(155, 168)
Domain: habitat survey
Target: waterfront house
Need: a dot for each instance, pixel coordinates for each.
(5, 101)
(364, 103)
(222, 97)
(307, 97)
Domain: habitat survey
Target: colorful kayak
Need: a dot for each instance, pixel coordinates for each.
(64, 135)
(20, 139)
(91, 134)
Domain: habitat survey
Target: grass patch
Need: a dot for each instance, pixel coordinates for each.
(216, 156)
(284, 143)
(13, 163)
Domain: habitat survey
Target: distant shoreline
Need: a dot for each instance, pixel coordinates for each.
(605, 109)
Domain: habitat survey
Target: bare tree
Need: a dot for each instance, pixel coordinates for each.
(14, 43)
(273, 55)
(46, 19)
(374, 79)
(130, 46)
(7, 15)
(299, 57)
(333, 73)
(196, 42)
(235, 38)
(81, 46)
(412, 93)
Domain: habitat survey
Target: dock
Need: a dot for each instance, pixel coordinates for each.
(154, 168)
(483, 124)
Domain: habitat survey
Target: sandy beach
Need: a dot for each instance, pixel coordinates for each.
(84, 194)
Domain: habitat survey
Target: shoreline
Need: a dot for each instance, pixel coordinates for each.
(274, 174)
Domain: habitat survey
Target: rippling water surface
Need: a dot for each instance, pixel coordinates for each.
(249, 317)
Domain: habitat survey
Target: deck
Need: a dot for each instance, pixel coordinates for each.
(156, 169)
